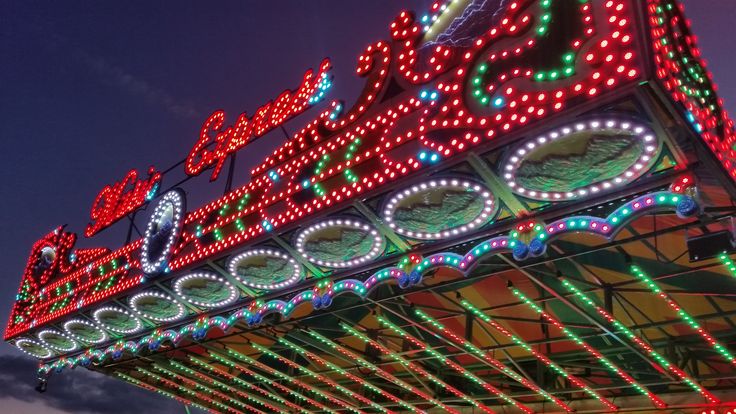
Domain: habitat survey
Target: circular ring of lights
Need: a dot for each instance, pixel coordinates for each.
(644, 133)
(46, 332)
(489, 206)
(133, 302)
(296, 275)
(179, 289)
(174, 199)
(376, 248)
(71, 322)
(48, 353)
(96, 316)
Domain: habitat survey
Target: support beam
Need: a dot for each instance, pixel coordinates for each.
(689, 320)
(416, 368)
(360, 381)
(466, 344)
(379, 371)
(661, 360)
(594, 352)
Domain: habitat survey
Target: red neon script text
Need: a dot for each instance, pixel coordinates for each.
(118, 200)
(269, 116)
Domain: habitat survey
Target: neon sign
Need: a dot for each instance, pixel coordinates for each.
(120, 199)
(269, 116)
(419, 106)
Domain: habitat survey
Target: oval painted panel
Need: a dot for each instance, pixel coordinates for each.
(117, 320)
(265, 269)
(205, 289)
(439, 209)
(581, 159)
(57, 340)
(340, 243)
(84, 331)
(33, 348)
(157, 306)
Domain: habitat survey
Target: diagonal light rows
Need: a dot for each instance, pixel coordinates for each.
(199, 395)
(247, 384)
(240, 392)
(310, 355)
(689, 320)
(380, 372)
(163, 392)
(273, 371)
(602, 359)
(453, 337)
(661, 361)
(454, 365)
(415, 367)
(327, 381)
(541, 357)
(207, 390)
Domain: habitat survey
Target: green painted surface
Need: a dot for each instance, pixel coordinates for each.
(264, 270)
(205, 290)
(58, 341)
(339, 244)
(117, 321)
(561, 168)
(157, 307)
(85, 332)
(33, 348)
(439, 209)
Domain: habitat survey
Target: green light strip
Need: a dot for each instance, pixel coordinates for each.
(241, 392)
(591, 350)
(684, 316)
(452, 364)
(661, 361)
(730, 265)
(541, 357)
(414, 367)
(309, 355)
(314, 375)
(380, 372)
(453, 337)
(158, 390)
(280, 375)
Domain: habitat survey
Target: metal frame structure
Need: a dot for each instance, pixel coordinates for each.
(555, 319)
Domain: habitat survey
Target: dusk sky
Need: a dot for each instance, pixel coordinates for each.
(91, 89)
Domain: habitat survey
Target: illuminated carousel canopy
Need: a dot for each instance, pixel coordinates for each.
(498, 222)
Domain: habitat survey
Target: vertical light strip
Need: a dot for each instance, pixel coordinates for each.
(163, 392)
(541, 357)
(319, 377)
(380, 372)
(221, 385)
(453, 337)
(602, 359)
(276, 373)
(661, 361)
(689, 320)
(452, 364)
(259, 377)
(310, 355)
(415, 367)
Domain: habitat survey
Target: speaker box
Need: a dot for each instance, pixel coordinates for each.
(709, 245)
